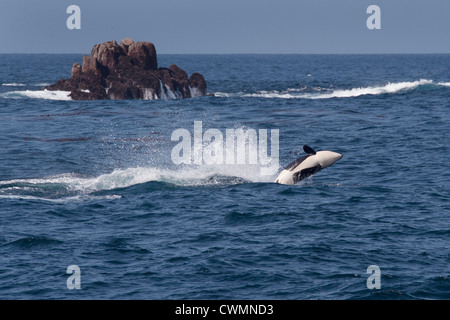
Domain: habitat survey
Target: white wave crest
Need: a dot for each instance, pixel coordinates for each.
(224, 94)
(274, 94)
(39, 94)
(388, 88)
(13, 85)
(445, 84)
(324, 93)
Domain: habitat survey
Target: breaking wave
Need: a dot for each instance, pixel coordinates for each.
(388, 88)
(326, 93)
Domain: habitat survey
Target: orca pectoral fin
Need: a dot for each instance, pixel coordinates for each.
(308, 150)
(305, 173)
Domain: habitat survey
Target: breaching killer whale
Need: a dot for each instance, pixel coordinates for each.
(307, 165)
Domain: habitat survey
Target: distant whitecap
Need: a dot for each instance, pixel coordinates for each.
(13, 84)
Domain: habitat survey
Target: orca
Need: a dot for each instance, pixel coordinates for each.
(307, 165)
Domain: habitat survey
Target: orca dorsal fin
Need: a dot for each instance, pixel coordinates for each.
(308, 150)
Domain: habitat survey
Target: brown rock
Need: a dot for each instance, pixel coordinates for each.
(125, 43)
(76, 70)
(198, 84)
(181, 81)
(119, 91)
(94, 51)
(143, 54)
(107, 54)
(178, 73)
(90, 65)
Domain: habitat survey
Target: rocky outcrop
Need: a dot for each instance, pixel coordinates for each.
(128, 70)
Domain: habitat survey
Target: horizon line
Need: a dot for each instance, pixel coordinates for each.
(257, 53)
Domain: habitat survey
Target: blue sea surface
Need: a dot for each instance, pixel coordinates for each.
(93, 184)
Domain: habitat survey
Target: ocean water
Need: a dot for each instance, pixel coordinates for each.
(93, 184)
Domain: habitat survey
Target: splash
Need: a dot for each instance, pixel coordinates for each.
(74, 187)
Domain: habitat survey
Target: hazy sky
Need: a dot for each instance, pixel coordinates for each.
(228, 26)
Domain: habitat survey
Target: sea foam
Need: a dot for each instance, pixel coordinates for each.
(39, 94)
